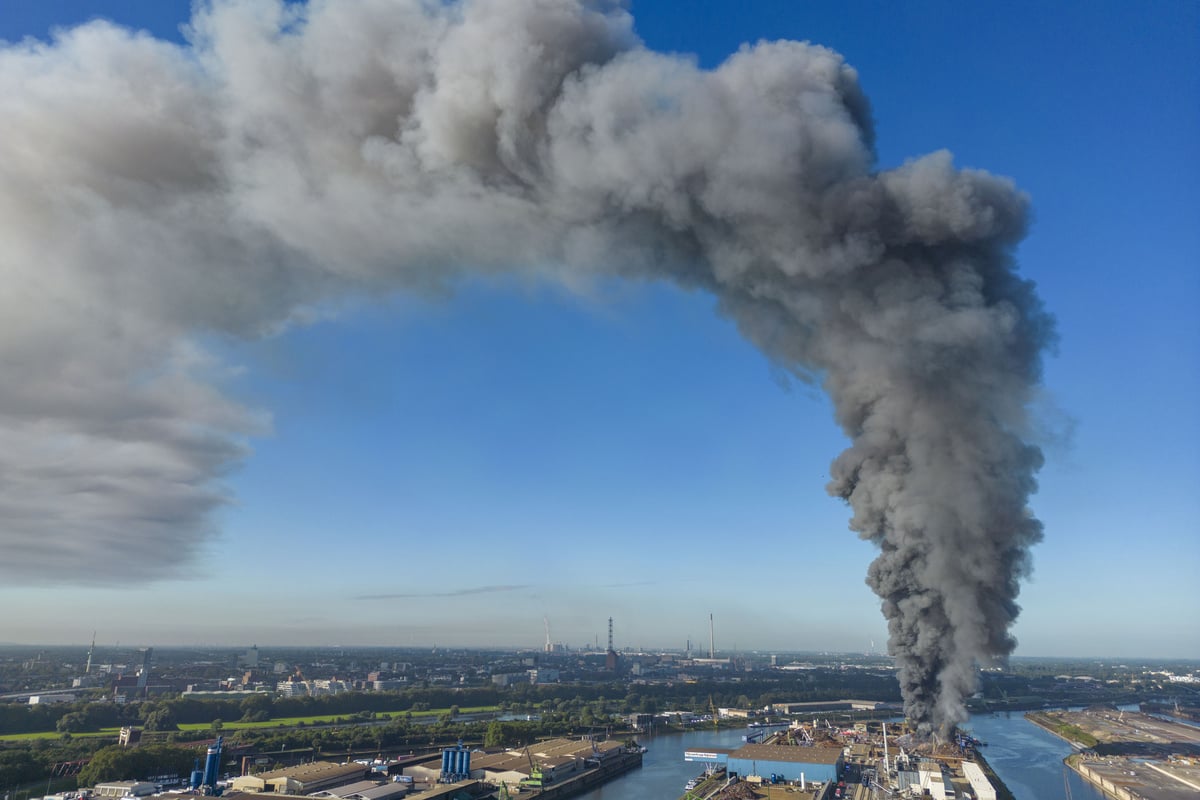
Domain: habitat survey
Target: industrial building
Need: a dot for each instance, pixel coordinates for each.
(124, 789)
(981, 787)
(925, 777)
(305, 779)
(821, 706)
(556, 759)
(365, 790)
(786, 762)
(789, 762)
(382, 791)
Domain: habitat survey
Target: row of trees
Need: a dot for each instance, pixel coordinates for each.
(115, 763)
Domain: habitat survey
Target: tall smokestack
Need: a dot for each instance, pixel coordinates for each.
(712, 649)
(886, 764)
(409, 144)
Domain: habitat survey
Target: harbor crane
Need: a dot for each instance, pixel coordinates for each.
(536, 779)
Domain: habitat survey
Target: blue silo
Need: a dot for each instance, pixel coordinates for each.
(456, 763)
(212, 765)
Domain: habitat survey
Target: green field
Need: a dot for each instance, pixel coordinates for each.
(328, 719)
(275, 723)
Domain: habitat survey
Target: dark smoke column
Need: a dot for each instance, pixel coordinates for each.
(930, 346)
(896, 289)
(937, 352)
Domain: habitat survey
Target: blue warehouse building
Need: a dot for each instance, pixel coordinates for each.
(786, 762)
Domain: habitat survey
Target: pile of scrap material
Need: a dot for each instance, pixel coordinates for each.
(737, 791)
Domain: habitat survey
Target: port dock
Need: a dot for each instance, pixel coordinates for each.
(1128, 755)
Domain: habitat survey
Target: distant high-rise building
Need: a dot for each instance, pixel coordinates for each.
(250, 658)
(144, 673)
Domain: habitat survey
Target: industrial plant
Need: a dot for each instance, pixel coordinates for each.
(818, 760)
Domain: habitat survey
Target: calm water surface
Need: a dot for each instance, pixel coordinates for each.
(664, 772)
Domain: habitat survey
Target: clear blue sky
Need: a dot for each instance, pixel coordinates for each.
(450, 471)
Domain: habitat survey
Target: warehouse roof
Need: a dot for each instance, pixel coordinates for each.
(314, 772)
(382, 791)
(348, 789)
(792, 754)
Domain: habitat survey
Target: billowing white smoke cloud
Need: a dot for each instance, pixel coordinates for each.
(153, 194)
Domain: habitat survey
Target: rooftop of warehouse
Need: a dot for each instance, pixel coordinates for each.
(794, 754)
(348, 789)
(314, 771)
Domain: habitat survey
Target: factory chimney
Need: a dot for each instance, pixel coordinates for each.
(712, 650)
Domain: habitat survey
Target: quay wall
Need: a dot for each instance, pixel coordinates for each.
(1110, 789)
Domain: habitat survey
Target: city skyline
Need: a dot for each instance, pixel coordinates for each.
(451, 468)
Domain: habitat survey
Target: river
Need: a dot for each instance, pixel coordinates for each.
(1027, 758)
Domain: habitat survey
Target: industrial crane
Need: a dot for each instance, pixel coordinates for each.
(536, 779)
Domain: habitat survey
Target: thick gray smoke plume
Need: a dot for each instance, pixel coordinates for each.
(153, 196)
